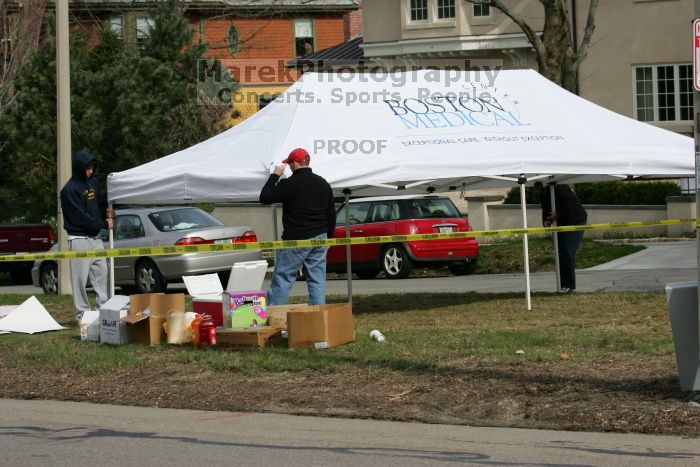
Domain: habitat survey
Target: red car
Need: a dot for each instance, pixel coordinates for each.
(403, 215)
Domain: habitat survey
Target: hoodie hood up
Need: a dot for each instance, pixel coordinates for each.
(80, 161)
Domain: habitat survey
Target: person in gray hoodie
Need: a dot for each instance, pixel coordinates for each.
(84, 215)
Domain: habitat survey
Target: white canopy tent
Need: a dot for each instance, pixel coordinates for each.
(415, 131)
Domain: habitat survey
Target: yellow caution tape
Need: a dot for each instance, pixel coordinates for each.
(282, 244)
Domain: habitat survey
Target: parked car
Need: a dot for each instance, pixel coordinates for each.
(403, 215)
(163, 226)
(23, 238)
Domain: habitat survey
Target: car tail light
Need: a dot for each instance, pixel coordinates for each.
(193, 241)
(247, 237)
(52, 237)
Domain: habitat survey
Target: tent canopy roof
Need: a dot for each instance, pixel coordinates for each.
(376, 133)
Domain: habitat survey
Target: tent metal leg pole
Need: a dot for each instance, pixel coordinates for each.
(275, 228)
(526, 251)
(555, 237)
(111, 260)
(348, 254)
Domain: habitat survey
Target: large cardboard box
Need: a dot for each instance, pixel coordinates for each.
(112, 329)
(148, 328)
(243, 338)
(320, 326)
(277, 314)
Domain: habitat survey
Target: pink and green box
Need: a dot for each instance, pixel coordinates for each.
(244, 309)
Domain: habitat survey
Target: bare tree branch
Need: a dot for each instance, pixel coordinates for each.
(588, 34)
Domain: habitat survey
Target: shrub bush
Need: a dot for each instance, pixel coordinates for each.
(627, 193)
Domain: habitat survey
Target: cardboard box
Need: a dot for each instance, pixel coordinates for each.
(112, 329)
(277, 314)
(148, 328)
(320, 326)
(246, 337)
(245, 309)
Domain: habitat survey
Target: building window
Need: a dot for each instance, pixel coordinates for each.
(143, 30)
(116, 25)
(419, 10)
(481, 11)
(664, 93)
(233, 39)
(303, 36)
(446, 9)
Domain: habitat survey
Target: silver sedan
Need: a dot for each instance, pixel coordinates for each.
(163, 226)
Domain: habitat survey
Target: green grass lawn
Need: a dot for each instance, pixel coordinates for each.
(507, 256)
(423, 331)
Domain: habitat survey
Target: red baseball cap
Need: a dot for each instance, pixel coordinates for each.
(297, 155)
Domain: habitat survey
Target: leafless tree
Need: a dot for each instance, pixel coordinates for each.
(558, 55)
(20, 30)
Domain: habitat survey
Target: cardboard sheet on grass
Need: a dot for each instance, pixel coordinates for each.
(29, 318)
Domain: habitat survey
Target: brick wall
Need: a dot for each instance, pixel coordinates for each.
(352, 24)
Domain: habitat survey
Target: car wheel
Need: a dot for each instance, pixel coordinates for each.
(148, 277)
(462, 268)
(21, 276)
(48, 279)
(395, 262)
(367, 273)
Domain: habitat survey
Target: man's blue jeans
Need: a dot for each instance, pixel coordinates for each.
(569, 243)
(287, 264)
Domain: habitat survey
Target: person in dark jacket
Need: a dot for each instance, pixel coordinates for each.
(567, 211)
(84, 215)
(308, 212)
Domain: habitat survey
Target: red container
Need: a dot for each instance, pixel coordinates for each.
(209, 307)
(207, 331)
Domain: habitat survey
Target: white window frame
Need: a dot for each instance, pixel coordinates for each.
(142, 34)
(409, 10)
(446, 18)
(111, 22)
(479, 16)
(655, 93)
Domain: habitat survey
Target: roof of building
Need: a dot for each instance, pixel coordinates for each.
(348, 52)
(272, 5)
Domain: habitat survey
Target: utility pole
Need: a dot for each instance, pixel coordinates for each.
(696, 134)
(63, 123)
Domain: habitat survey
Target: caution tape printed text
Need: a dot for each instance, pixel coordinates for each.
(281, 244)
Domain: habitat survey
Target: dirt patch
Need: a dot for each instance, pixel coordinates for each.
(633, 393)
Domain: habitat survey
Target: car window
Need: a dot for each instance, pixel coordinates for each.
(183, 219)
(128, 227)
(358, 214)
(385, 211)
(426, 208)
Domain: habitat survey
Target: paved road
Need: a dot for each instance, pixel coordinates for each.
(70, 433)
(647, 270)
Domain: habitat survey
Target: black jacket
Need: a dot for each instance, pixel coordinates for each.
(569, 210)
(307, 204)
(83, 208)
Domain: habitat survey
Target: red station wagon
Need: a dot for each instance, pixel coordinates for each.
(403, 215)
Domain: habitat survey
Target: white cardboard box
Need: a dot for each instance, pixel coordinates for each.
(113, 331)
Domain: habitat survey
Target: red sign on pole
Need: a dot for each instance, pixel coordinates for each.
(696, 54)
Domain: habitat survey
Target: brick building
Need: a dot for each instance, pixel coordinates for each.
(253, 39)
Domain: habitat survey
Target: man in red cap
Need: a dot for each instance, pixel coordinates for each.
(308, 212)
